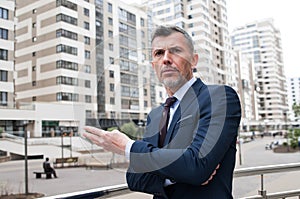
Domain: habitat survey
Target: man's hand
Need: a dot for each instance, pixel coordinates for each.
(113, 141)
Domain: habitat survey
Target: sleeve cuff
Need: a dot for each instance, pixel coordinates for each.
(128, 148)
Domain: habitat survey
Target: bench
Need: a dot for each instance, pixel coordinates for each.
(39, 174)
(93, 166)
(70, 161)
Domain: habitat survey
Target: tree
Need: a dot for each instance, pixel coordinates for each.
(130, 129)
(1, 132)
(296, 109)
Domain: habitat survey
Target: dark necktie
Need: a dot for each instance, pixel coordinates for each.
(163, 125)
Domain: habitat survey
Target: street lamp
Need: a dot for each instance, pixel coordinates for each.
(26, 133)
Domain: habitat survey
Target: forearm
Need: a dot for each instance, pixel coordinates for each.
(145, 182)
(183, 166)
(216, 132)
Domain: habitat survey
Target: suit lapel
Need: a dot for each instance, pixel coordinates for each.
(180, 112)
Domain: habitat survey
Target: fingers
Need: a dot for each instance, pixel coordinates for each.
(111, 141)
(95, 131)
(212, 175)
(95, 135)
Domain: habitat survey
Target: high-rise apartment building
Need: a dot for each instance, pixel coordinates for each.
(261, 41)
(247, 90)
(124, 83)
(7, 53)
(293, 85)
(54, 62)
(206, 22)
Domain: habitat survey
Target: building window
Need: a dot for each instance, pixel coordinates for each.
(3, 13)
(87, 84)
(112, 87)
(112, 100)
(3, 76)
(3, 98)
(86, 12)
(112, 114)
(86, 25)
(110, 21)
(62, 96)
(33, 83)
(99, 2)
(87, 54)
(111, 74)
(87, 69)
(34, 25)
(127, 16)
(87, 40)
(67, 65)
(33, 11)
(66, 18)
(66, 33)
(109, 7)
(34, 98)
(3, 33)
(88, 99)
(66, 80)
(3, 54)
(66, 49)
(33, 39)
(111, 60)
(111, 47)
(33, 68)
(88, 114)
(110, 33)
(142, 22)
(66, 4)
(33, 54)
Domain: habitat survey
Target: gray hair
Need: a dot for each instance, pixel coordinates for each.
(163, 31)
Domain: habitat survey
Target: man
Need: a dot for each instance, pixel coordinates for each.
(48, 169)
(197, 156)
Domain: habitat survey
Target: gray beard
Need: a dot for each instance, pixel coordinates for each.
(174, 85)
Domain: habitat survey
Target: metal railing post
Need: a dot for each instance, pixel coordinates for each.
(262, 192)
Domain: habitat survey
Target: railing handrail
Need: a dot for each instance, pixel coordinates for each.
(97, 192)
(278, 168)
(282, 194)
(241, 172)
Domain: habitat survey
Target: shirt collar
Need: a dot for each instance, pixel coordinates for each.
(181, 92)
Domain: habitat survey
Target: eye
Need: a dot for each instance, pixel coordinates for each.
(174, 50)
(158, 53)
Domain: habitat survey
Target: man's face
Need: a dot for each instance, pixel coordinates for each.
(173, 60)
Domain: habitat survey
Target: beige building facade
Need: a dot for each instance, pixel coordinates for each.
(53, 56)
(7, 53)
(261, 41)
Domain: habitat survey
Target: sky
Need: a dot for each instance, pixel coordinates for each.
(285, 14)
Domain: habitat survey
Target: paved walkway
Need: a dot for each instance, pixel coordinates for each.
(80, 179)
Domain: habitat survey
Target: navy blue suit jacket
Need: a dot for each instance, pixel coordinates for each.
(202, 135)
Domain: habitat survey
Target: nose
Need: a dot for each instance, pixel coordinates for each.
(167, 60)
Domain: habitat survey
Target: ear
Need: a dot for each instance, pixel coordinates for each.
(195, 60)
(152, 64)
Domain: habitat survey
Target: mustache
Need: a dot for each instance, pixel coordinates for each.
(167, 68)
